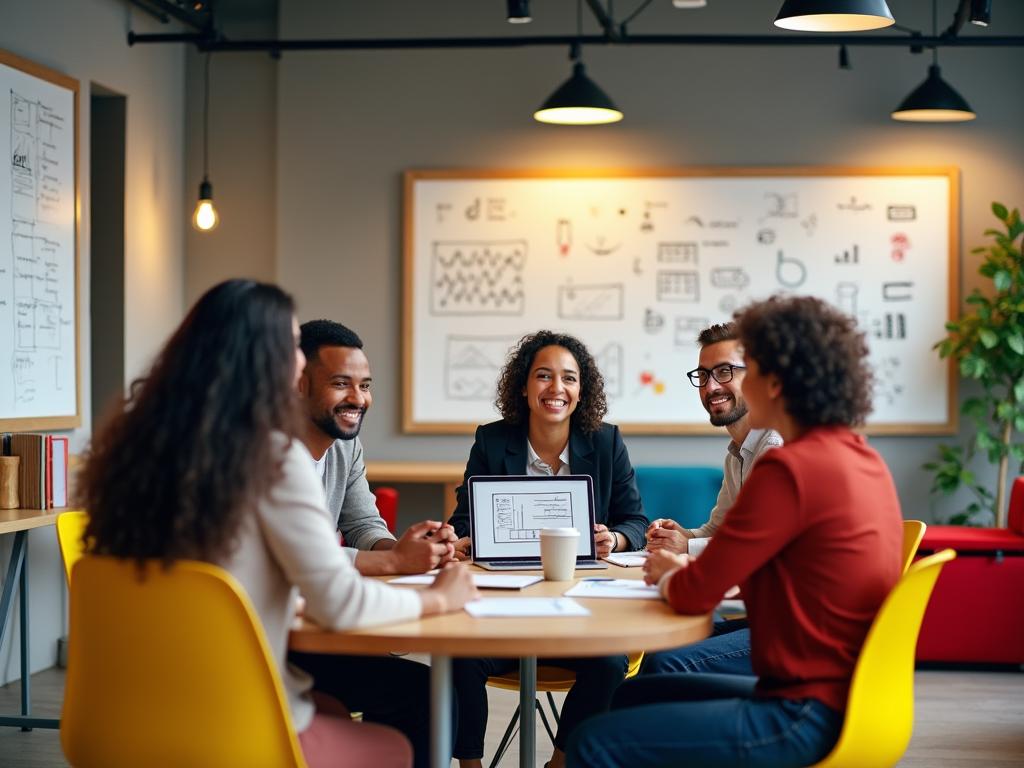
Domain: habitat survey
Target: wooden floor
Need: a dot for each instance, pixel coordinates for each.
(964, 720)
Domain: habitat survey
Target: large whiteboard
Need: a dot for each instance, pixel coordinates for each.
(39, 386)
(635, 263)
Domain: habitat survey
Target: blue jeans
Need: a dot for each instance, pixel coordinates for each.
(703, 721)
(726, 652)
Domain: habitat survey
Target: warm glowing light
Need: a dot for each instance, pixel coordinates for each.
(577, 115)
(834, 22)
(205, 218)
(934, 115)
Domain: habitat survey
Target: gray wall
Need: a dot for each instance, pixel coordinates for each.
(349, 124)
(86, 39)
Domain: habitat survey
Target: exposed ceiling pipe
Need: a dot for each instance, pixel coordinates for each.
(166, 10)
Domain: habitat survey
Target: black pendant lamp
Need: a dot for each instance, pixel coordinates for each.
(834, 15)
(934, 101)
(579, 101)
(205, 217)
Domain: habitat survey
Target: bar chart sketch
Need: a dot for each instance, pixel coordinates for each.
(518, 517)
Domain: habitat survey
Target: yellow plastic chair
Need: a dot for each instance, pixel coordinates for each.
(549, 680)
(170, 668)
(70, 527)
(880, 710)
(913, 532)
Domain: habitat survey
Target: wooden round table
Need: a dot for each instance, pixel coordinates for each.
(614, 626)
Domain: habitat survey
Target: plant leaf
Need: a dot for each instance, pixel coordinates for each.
(1000, 211)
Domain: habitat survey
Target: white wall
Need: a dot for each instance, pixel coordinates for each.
(87, 39)
(349, 124)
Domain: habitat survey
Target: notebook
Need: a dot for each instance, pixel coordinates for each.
(506, 514)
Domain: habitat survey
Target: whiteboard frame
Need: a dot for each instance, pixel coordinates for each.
(30, 423)
(412, 177)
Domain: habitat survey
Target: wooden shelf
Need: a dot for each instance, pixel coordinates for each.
(12, 520)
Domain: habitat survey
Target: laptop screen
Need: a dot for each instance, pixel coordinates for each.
(507, 513)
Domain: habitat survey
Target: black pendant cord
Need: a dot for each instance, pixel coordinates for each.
(935, 51)
(206, 117)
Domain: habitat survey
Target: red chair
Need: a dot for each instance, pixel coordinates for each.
(387, 505)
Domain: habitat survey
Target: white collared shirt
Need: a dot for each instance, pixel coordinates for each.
(535, 467)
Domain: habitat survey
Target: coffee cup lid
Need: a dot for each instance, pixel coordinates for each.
(559, 532)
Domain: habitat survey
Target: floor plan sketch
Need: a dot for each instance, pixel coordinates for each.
(472, 365)
(590, 302)
(518, 517)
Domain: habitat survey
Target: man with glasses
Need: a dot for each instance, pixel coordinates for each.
(718, 378)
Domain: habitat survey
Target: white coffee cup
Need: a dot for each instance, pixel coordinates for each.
(558, 552)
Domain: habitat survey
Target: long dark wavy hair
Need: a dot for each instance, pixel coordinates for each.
(592, 405)
(177, 463)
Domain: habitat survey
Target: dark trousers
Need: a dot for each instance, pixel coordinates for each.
(596, 680)
(689, 720)
(385, 689)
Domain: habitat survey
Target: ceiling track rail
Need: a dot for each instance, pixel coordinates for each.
(915, 42)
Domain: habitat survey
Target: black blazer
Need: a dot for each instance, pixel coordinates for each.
(501, 449)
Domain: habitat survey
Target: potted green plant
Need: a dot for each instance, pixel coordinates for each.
(988, 346)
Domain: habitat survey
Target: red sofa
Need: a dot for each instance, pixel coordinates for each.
(976, 612)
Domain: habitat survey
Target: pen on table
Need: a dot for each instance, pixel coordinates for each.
(597, 578)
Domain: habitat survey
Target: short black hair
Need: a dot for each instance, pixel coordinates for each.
(819, 355)
(716, 334)
(326, 333)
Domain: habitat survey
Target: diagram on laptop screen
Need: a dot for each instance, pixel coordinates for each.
(518, 517)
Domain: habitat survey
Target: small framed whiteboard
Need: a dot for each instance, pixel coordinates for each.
(636, 262)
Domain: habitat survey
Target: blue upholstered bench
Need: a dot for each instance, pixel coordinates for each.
(684, 494)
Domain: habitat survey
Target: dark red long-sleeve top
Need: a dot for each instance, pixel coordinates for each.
(814, 540)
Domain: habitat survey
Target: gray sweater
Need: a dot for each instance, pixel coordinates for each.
(349, 498)
(288, 545)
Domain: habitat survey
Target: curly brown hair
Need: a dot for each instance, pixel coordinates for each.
(818, 354)
(510, 402)
(179, 461)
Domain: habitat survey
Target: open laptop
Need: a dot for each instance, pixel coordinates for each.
(506, 514)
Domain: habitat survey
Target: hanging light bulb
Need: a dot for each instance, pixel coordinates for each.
(205, 218)
(834, 15)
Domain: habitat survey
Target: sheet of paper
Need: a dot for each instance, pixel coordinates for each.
(493, 607)
(622, 588)
(627, 559)
(482, 580)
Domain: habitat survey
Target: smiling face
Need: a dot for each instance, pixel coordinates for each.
(337, 389)
(723, 402)
(552, 387)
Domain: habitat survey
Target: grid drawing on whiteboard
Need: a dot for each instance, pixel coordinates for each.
(518, 517)
(478, 278)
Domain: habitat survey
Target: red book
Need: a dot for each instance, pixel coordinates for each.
(49, 472)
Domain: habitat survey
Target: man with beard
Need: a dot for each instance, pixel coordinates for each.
(718, 378)
(335, 390)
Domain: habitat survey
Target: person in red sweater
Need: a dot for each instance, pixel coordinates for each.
(814, 542)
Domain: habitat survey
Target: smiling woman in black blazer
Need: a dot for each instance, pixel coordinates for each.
(551, 395)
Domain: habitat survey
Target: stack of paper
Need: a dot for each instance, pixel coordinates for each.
(482, 580)
(520, 607)
(624, 588)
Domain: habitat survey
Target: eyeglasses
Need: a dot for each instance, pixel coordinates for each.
(720, 373)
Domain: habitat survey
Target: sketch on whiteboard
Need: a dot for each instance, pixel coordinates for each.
(725, 224)
(790, 273)
(654, 321)
(678, 253)
(591, 302)
(610, 362)
(473, 210)
(728, 303)
(846, 297)
(36, 206)
(730, 277)
(443, 209)
(648, 379)
(853, 206)
(900, 246)
(602, 247)
(678, 286)
(563, 236)
(888, 382)
(897, 291)
(844, 257)
(478, 278)
(647, 224)
(472, 365)
(714, 243)
(781, 205)
(686, 330)
(810, 224)
(637, 266)
(496, 210)
(519, 517)
(766, 236)
(901, 212)
(890, 326)
(695, 220)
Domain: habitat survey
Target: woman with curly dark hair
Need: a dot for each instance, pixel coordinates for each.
(202, 462)
(551, 395)
(814, 540)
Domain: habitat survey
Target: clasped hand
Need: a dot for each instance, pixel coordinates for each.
(667, 535)
(424, 546)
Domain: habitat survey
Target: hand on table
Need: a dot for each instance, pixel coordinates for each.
(661, 562)
(462, 549)
(667, 535)
(452, 588)
(423, 547)
(604, 539)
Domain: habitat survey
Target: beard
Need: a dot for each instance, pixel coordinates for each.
(328, 424)
(734, 414)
